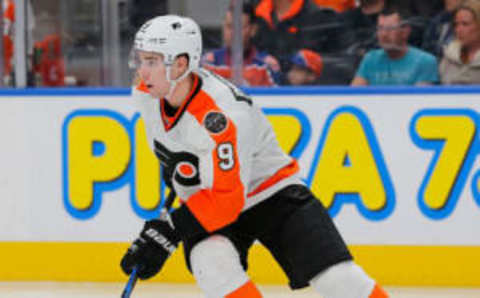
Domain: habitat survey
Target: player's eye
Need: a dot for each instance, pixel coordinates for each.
(150, 62)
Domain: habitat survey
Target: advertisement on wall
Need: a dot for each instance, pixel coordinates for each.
(392, 169)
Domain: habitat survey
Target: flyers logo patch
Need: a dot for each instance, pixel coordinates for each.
(186, 169)
(179, 166)
(215, 122)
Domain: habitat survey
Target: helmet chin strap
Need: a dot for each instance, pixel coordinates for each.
(173, 82)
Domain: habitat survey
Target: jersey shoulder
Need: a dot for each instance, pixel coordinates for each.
(223, 91)
(220, 105)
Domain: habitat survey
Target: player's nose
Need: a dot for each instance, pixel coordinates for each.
(144, 73)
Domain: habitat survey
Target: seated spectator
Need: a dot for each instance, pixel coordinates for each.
(286, 26)
(461, 60)
(361, 23)
(256, 72)
(306, 68)
(440, 31)
(337, 5)
(49, 66)
(396, 63)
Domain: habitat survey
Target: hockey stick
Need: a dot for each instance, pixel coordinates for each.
(132, 280)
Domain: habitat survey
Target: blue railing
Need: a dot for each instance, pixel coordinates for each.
(340, 90)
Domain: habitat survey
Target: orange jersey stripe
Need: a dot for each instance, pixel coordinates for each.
(265, 8)
(378, 292)
(248, 290)
(338, 5)
(283, 173)
(219, 206)
(296, 6)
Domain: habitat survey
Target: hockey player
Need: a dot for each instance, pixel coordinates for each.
(219, 153)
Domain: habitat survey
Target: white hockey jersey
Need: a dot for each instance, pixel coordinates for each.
(223, 154)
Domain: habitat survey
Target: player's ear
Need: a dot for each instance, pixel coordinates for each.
(181, 65)
(182, 61)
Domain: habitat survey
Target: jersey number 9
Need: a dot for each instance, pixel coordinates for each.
(225, 155)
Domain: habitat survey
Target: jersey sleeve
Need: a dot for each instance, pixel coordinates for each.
(222, 202)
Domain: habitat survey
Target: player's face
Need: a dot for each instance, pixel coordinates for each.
(152, 71)
(390, 32)
(467, 29)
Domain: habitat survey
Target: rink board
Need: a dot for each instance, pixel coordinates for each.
(397, 169)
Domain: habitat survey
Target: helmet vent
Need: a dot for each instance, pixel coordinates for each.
(157, 41)
(176, 25)
(145, 26)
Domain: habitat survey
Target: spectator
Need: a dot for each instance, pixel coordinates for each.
(337, 5)
(255, 71)
(306, 67)
(396, 63)
(362, 23)
(440, 31)
(49, 65)
(461, 61)
(287, 26)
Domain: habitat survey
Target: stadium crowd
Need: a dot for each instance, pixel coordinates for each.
(318, 42)
(372, 42)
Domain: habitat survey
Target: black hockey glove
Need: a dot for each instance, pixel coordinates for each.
(157, 241)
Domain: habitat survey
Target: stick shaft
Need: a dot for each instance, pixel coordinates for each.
(130, 284)
(170, 198)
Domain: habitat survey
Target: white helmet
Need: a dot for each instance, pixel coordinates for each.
(171, 35)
